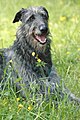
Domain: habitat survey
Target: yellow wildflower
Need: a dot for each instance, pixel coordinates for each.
(78, 49)
(67, 53)
(33, 53)
(62, 18)
(20, 106)
(29, 107)
(17, 99)
(38, 60)
(74, 19)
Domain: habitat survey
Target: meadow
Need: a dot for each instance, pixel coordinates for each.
(64, 23)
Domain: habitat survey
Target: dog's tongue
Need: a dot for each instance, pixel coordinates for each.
(41, 38)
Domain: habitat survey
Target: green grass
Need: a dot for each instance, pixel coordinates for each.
(65, 30)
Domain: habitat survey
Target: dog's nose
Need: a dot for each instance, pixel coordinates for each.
(43, 28)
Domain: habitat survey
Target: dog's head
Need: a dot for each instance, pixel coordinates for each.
(35, 21)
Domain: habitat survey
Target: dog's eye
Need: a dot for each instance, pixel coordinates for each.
(44, 16)
(31, 18)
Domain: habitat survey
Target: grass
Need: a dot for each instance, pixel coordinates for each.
(65, 29)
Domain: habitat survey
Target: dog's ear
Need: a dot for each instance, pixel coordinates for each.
(46, 11)
(43, 8)
(18, 16)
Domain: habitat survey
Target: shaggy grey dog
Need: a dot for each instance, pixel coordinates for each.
(28, 61)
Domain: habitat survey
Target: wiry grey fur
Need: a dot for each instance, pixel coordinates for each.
(22, 58)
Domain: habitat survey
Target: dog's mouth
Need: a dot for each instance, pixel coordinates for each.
(40, 38)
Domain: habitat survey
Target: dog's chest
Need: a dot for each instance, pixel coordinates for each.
(33, 64)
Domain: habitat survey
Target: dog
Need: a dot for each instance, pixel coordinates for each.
(28, 60)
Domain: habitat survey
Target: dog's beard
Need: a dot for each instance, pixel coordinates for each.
(37, 45)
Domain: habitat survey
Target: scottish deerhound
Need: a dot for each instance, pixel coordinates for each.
(28, 61)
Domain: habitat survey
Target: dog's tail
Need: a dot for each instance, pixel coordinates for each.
(74, 98)
(71, 96)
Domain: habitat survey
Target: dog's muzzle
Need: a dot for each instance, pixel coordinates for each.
(43, 28)
(42, 36)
